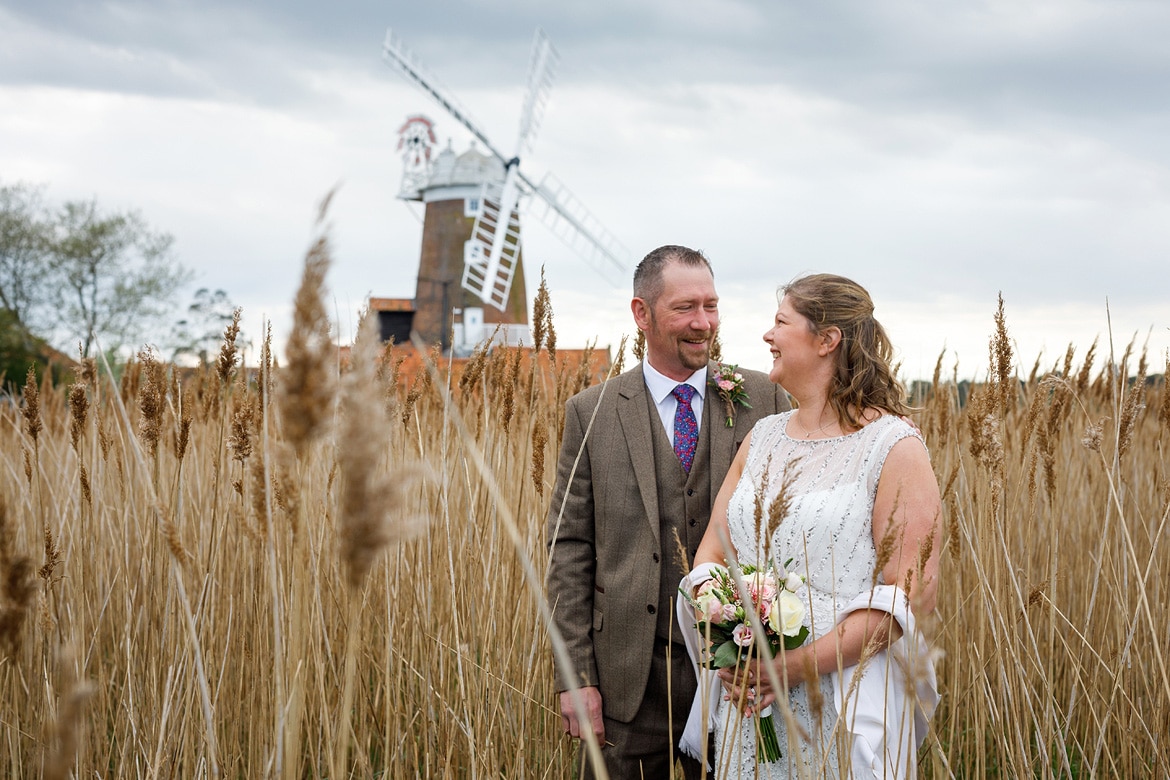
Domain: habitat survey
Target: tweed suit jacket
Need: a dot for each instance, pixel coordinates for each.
(603, 527)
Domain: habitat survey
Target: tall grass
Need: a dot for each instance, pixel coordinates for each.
(1055, 614)
(200, 581)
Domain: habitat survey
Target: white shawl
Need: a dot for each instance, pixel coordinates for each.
(883, 745)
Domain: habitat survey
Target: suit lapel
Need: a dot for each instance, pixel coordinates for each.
(723, 439)
(636, 427)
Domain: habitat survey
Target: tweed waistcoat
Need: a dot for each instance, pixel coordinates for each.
(684, 502)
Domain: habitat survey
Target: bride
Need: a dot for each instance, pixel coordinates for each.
(861, 525)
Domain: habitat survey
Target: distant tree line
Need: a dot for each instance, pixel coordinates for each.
(78, 277)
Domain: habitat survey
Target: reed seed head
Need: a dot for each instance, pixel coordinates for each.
(890, 542)
(539, 443)
(32, 406)
(540, 306)
(371, 516)
(1001, 359)
(228, 351)
(1094, 434)
(584, 373)
(151, 399)
(86, 490)
(52, 559)
(1133, 404)
(88, 372)
(183, 435)
(474, 368)
(781, 504)
(1164, 408)
(307, 382)
(507, 389)
(243, 415)
(78, 411)
(620, 360)
(1086, 367)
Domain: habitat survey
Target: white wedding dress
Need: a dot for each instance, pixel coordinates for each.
(828, 535)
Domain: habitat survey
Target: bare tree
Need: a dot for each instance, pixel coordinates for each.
(23, 251)
(200, 332)
(116, 276)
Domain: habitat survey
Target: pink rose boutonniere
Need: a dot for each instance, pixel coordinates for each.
(728, 382)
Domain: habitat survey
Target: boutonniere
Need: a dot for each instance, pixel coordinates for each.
(728, 382)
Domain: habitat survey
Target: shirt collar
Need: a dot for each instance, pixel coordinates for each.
(661, 385)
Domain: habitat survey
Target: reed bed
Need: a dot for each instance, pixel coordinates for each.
(301, 571)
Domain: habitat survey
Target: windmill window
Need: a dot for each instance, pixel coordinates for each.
(471, 207)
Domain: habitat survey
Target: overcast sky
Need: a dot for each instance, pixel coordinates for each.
(940, 153)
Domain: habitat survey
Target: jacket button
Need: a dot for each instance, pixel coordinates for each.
(650, 608)
(694, 522)
(690, 491)
(656, 557)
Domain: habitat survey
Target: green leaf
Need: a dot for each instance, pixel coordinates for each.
(793, 642)
(725, 655)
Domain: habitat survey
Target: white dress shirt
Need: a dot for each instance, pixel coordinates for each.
(661, 389)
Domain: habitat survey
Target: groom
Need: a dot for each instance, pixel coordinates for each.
(652, 463)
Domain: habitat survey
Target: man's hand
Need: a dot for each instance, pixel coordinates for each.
(592, 699)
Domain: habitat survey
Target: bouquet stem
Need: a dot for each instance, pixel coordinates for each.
(767, 747)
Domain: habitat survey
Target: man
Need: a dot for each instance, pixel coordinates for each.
(642, 485)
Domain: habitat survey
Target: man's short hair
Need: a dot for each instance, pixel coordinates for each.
(648, 275)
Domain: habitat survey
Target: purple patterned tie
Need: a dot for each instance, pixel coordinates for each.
(686, 427)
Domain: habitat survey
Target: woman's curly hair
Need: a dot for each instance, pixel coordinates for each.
(863, 378)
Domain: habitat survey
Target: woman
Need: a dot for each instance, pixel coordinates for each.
(858, 481)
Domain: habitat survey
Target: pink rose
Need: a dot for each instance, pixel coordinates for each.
(742, 635)
(725, 384)
(729, 611)
(711, 609)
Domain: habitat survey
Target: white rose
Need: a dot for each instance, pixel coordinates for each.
(793, 581)
(787, 614)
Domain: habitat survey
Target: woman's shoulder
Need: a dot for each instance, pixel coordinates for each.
(771, 421)
(769, 428)
(888, 427)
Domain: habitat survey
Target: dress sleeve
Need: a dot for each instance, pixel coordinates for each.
(887, 729)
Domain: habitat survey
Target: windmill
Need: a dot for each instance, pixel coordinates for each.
(491, 189)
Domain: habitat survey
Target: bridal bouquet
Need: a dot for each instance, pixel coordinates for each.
(722, 620)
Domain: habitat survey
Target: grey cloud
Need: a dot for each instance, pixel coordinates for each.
(961, 57)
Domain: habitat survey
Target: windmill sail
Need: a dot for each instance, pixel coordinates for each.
(492, 255)
(577, 228)
(490, 275)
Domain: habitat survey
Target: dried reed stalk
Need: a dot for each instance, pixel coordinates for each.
(371, 504)
(66, 730)
(371, 517)
(17, 585)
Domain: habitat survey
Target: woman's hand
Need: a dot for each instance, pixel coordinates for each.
(750, 688)
(741, 687)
